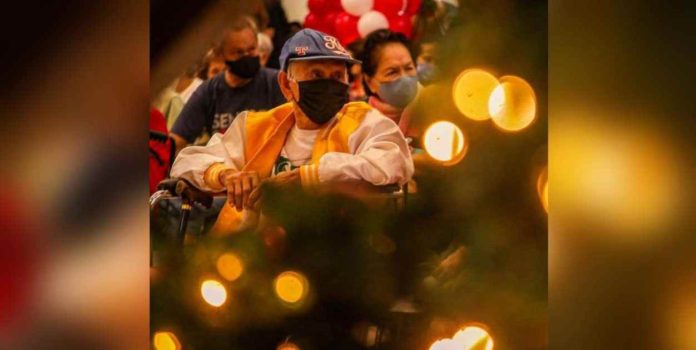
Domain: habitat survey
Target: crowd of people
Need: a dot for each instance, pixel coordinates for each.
(329, 113)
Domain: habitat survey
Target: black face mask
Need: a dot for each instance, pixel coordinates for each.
(321, 99)
(245, 67)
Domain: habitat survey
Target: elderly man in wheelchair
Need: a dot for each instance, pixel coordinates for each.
(316, 138)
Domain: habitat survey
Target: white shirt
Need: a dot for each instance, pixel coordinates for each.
(297, 150)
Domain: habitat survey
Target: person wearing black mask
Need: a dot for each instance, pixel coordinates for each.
(317, 137)
(244, 85)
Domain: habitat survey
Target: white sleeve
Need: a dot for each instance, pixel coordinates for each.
(227, 148)
(379, 154)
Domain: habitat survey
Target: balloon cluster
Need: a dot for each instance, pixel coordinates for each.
(350, 20)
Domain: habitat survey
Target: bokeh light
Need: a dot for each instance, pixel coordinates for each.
(287, 346)
(512, 104)
(629, 183)
(473, 337)
(165, 341)
(471, 91)
(214, 293)
(230, 266)
(291, 287)
(444, 344)
(445, 142)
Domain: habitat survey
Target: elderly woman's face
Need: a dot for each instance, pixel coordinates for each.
(393, 62)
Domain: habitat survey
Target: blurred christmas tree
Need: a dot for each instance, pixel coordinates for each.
(333, 271)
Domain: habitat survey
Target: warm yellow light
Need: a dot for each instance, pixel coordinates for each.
(545, 196)
(230, 266)
(445, 142)
(543, 189)
(214, 293)
(444, 344)
(496, 100)
(625, 182)
(512, 104)
(166, 341)
(291, 287)
(473, 338)
(287, 346)
(471, 91)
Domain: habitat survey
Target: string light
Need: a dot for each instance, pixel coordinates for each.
(467, 338)
(287, 346)
(512, 104)
(229, 266)
(444, 344)
(291, 287)
(445, 142)
(473, 337)
(214, 293)
(166, 341)
(471, 92)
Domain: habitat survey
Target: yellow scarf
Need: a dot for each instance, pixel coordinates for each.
(266, 133)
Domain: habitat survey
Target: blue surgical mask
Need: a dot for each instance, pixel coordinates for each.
(400, 92)
(426, 73)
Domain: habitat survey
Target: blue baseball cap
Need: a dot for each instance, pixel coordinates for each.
(310, 44)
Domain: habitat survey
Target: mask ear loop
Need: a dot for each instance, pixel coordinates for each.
(297, 101)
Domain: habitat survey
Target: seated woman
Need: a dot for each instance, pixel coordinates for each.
(389, 74)
(390, 79)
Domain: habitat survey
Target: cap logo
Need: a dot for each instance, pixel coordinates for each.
(301, 50)
(332, 44)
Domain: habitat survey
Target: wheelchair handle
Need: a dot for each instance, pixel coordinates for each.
(187, 192)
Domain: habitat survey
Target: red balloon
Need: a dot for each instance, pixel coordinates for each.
(347, 28)
(390, 8)
(323, 23)
(329, 23)
(334, 5)
(402, 24)
(313, 21)
(412, 7)
(319, 6)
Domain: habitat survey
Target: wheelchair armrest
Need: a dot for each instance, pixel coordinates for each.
(391, 188)
(184, 189)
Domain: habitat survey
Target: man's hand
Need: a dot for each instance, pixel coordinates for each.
(286, 178)
(239, 184)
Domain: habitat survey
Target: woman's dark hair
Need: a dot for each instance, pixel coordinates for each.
(375, 42)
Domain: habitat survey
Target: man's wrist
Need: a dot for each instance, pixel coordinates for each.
(222, 174)
(213, 176)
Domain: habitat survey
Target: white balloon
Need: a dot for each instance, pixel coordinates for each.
(357, 7)
(372, 21)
